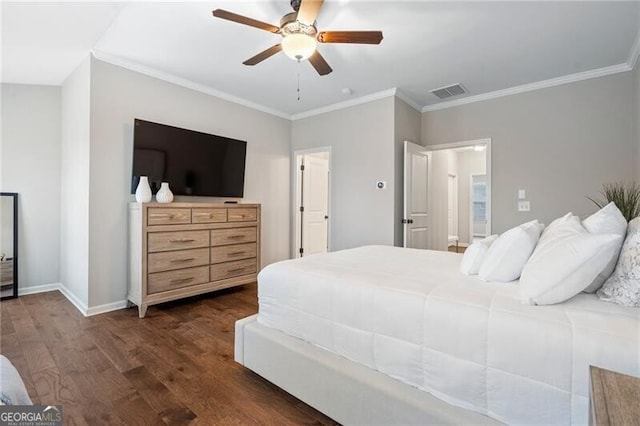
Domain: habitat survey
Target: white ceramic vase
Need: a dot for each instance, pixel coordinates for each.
(164, 195)
(143, 191)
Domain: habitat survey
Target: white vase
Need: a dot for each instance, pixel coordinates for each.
(143, 191)
(164, 195)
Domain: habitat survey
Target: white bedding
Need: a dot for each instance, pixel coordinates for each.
(412, 315)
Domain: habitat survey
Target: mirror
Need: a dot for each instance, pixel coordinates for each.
(8, 245)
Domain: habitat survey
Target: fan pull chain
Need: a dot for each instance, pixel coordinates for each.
(298, 80)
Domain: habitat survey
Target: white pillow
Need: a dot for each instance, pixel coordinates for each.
(607, 220)
(565, 262)
(623, 287)
(509, 252)
(475, 254)
(563, 226)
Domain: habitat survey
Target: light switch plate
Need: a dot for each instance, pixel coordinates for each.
(521, 194)
(524, 206)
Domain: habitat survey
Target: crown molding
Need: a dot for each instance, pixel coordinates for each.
(407, 100)
(571, 78)
(632, 60)
(183, 82)
(346, 104)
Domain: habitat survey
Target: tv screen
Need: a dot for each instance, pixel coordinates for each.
(193, 163)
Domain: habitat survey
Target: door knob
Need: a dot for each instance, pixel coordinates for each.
(326, 217)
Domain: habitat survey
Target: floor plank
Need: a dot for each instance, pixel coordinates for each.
(173, 367)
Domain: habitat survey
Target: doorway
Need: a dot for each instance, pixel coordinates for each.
(456, 181)
(312, 202)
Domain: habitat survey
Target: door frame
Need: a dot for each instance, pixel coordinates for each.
(462, 144)
(296, 188)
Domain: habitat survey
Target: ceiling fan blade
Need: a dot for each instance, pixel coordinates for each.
(264, 55)
(309, 10)
(361, 37)
(319, 63)
(230, 16)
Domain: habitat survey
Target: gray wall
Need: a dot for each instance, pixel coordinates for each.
(31, 166)
(560, 144)
(117, 97)
(407, 127)
(362, 152)
(74, 198)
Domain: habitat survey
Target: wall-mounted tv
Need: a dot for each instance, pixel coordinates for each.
(193, 163)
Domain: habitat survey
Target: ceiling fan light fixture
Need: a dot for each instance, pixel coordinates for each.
(299, 46)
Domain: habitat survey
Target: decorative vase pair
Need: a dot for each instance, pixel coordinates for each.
(143, 192)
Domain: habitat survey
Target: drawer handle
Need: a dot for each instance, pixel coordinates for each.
(183, 260)
(236, 253)
(233, 271)
(183, 280)
(182, 240)
(235, 237)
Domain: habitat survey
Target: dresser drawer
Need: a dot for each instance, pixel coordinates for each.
(166, 241)
(233, 252)
(201, 215)
(171, 280)
(233, 269)
(170, 260)
(233, 236)
(248, 214)
(168, 216)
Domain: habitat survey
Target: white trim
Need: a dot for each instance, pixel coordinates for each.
(73, 299)
(571, 78)
(38, 289)
(407, 100)
(87, 312)
(108, 307)
(183, 82)
(346, 104)
(632, 60)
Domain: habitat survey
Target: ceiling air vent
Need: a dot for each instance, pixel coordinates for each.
(449, 91)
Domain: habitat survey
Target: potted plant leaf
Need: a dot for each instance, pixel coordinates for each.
(626, 197)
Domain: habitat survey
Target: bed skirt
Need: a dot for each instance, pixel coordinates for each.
(346, 391)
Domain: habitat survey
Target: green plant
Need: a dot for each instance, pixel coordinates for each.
(626, 197)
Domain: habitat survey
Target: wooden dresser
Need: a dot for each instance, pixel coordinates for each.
(178, 250)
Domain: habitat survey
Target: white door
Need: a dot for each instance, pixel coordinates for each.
(314, 210)
(416, 166)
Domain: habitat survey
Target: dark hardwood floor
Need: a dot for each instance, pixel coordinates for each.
(174, 367)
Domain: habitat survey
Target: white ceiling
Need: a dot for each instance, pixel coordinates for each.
(486, 46)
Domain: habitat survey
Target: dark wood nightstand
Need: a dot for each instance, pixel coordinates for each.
(614, 398)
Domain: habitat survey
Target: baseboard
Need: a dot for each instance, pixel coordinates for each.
(74, 300)
(101, 309)
(84, 310)
(44, 288)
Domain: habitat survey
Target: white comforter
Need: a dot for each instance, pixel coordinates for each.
(412, 315)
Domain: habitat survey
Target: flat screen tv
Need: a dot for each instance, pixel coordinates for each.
(193, 163)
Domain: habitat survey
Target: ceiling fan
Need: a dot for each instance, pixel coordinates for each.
(300, 35)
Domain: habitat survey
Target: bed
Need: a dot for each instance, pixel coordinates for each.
(382, 335)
